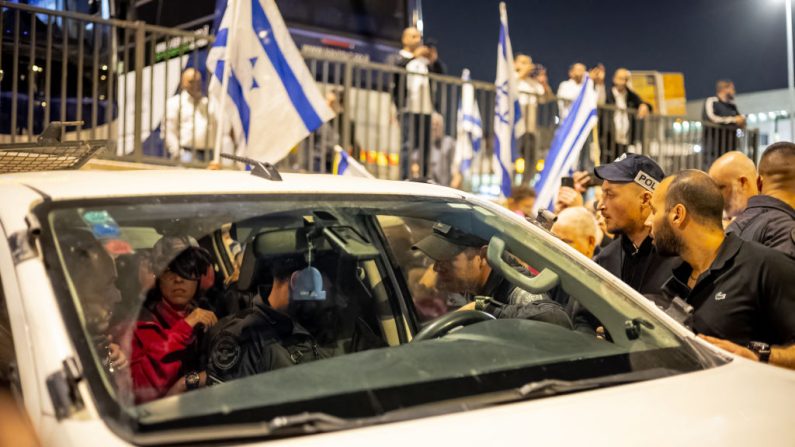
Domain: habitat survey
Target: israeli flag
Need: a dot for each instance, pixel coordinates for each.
(469, 136)
(508, 123)
(567, 144)
(266, 93)
(344, 164)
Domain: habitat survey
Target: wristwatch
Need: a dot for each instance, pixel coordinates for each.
(192, 380)
(762, 350)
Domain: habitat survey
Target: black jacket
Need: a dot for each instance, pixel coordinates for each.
(255, 341)
(768, 221)
(607, 131)
(722, 137)
(643, 269)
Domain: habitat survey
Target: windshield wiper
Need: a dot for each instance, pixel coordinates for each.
(306, 423)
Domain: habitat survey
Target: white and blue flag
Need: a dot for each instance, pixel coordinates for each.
(508, 123)
(566, 145)
(344, 164)
(469, 136)
(264, 89)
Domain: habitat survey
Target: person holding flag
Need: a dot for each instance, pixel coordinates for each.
(508, 123)
(567, 144)
(268, 98)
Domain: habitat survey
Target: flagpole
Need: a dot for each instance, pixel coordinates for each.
(221, 124)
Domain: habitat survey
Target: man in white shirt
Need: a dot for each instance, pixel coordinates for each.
(189, 132)
(570, 88)
(531, 94)
(413, 100)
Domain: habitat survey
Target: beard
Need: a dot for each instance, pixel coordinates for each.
(666, 241)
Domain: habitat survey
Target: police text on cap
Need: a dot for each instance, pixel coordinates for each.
(646, 181)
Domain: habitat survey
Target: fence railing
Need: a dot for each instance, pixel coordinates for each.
(125, 80)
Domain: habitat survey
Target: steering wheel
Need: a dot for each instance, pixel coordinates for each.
(447, 322)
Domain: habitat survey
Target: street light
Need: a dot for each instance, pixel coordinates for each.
(790, 70)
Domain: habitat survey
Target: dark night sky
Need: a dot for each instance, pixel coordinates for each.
(744, 40)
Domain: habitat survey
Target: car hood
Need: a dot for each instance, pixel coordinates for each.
(737, 404)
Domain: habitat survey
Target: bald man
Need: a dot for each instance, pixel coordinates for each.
(769, 217)
(576, 226)
(187, 127)
(735, 175)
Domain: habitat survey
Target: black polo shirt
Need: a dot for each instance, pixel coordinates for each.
(746, 295)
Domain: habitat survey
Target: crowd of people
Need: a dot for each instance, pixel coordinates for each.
(721, 242)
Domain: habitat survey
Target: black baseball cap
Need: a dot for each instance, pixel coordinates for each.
(446, 242)
(632, 168)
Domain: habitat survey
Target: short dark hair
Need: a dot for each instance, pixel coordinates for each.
(778, 159)
(522, 192)
(723, 83)
(699, 194)
(285, 266)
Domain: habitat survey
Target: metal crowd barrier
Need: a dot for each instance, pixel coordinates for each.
(120, 77)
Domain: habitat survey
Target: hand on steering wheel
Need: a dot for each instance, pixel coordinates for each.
(441, 326)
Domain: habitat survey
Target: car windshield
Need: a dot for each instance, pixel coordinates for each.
(328, 304)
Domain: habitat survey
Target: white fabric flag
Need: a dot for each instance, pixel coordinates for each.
(470, 127)
(271, 101)
(508, 123)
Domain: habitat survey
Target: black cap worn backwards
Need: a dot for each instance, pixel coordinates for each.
(632, 168)
(446, 242)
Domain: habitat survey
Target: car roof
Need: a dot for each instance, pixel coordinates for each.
(88, 184)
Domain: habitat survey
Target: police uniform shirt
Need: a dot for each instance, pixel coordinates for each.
(746, 295)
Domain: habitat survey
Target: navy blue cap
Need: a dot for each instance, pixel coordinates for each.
(632, 168)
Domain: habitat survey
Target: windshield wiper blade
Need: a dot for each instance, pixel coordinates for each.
(551, 387)
(307, 422)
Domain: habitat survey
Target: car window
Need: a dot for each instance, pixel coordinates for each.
(320, 309)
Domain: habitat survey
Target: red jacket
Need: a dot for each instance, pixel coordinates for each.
(163, 347)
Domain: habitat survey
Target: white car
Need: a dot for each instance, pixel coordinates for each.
(470, 381)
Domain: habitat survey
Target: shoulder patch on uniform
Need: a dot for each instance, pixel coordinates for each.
(226, 353)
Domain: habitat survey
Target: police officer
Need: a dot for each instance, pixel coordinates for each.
(461, 267)
(627, 187)
(265, 337)
(741, 291)
(769, 217)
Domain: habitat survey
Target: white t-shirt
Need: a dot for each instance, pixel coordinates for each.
(418, 87)
(187, 126)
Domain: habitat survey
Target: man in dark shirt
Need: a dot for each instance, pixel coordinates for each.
(461, 267)
(628, 185)
(741, 292)
(264, 337)
(769, 217)
(721, 135)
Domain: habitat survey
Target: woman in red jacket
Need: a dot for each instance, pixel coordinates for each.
(165, 355)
